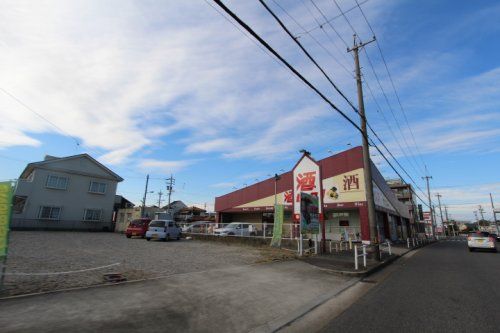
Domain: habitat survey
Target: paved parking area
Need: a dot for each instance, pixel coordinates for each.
(34, 257)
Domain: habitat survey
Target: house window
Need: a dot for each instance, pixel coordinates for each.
(96, 187)
(92, 215)
(56, 182)
(18, 204)
(49, 213)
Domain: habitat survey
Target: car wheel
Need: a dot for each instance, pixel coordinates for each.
(129, 236)
(178, 236)
(231, 234)
(252, 234)
(471, 249)
(167, 238)
(148, 239)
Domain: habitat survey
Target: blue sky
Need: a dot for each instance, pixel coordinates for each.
(172, 87)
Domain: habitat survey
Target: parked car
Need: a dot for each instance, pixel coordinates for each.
(137, 227)
(164, 230)
(481, 240)
(200, 227)
(236, 229)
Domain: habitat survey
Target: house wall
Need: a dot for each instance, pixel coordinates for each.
(73, 200)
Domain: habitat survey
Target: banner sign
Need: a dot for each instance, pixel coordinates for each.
(306, 179)
(279, 213)
(309, 213)
(5, 210)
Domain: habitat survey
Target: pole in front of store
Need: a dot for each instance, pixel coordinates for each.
(366, 151)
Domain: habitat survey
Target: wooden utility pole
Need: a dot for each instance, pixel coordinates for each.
(366, 150)
(430, 205)
(159, 198)
(144, 198)
(441, 211)
(170, 184)
(494, 214)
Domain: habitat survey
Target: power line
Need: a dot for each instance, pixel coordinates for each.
(277, 55)
(380, 85)
(297, 36)
(27, 107)
(283, 26)
(334, 17)
(391, 80)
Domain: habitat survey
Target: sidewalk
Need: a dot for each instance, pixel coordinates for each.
(260, 297)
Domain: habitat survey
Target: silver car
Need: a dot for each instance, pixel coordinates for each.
(164, 230)
(236, 229)
(481, 240)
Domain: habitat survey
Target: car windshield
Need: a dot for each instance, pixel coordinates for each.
(136, 223)
(157, 224)
(479, 234)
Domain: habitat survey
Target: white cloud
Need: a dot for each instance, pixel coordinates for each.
(123, 75)
(165, 167)
(224, 185)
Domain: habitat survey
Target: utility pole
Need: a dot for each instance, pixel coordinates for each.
(366, 150)
(430, 204)
(441, 211)
(170, 184)
(159, 198)
(494, 214)
(144, 198)
(481, 211)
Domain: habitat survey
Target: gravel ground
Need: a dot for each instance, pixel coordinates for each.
(56, 251)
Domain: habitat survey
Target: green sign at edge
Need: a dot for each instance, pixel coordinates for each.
(279, 213)
(5, 215)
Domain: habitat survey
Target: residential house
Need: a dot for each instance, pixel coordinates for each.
(68, 193)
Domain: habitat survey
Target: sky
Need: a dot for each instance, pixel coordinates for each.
(174, 87)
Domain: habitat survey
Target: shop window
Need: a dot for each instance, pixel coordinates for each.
(267, 217)
(344, 223)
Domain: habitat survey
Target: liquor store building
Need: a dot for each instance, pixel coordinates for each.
(338, 181)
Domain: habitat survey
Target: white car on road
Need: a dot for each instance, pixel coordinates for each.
(481, 240)
(164, 230)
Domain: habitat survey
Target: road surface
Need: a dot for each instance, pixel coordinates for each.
(442, 288)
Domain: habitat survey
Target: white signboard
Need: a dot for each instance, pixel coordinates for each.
(306, 179)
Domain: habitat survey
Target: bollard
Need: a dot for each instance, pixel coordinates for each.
(330, 246)
(408, 242)
(364, 255)
(355, 257)
(350, 244)
(389, 246)
(413, 241)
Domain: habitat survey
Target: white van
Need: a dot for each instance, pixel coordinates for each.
(164, 230)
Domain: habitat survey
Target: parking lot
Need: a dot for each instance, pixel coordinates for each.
(45, 260)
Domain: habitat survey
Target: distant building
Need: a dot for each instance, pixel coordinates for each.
(404, 193)
(68, 193)
(125, 215)
(190, 214)
(174, 207)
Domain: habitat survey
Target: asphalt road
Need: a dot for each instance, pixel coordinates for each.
(442, 288)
